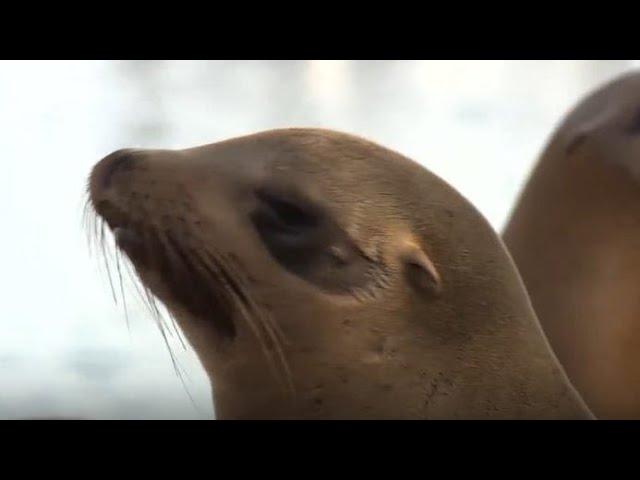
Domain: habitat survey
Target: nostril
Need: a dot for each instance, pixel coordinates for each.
(118, 161)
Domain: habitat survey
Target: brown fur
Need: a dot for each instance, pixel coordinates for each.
(575, 237)
(424, 315)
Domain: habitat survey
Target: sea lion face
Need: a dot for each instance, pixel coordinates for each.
(313, 272)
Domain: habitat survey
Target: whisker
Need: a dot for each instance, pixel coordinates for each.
(87, 217)
(162, 327)
(94, 226)
(237, 274)
(177, 330)
(251, 311)
(145, 296)
(135, 281)
(176, 368)
(106, 259)
(124, 300)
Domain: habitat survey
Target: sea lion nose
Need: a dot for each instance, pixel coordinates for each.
(118, 161)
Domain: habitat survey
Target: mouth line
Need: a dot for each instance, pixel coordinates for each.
(111, 214)
(193, 281)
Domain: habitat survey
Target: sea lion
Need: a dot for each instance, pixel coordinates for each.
(320, 276)
(575, 237)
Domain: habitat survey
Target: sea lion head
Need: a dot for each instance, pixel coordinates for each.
(319, 275)
(604, 126)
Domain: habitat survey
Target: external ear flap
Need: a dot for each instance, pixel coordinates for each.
(420, 270)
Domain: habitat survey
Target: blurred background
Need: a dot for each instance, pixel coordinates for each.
(65, 349)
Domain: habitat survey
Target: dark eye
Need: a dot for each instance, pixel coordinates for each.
(301, 236)
(281, 214)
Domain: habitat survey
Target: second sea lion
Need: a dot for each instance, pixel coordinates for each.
(575, 237)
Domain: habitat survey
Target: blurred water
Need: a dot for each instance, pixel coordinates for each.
(64, 346)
